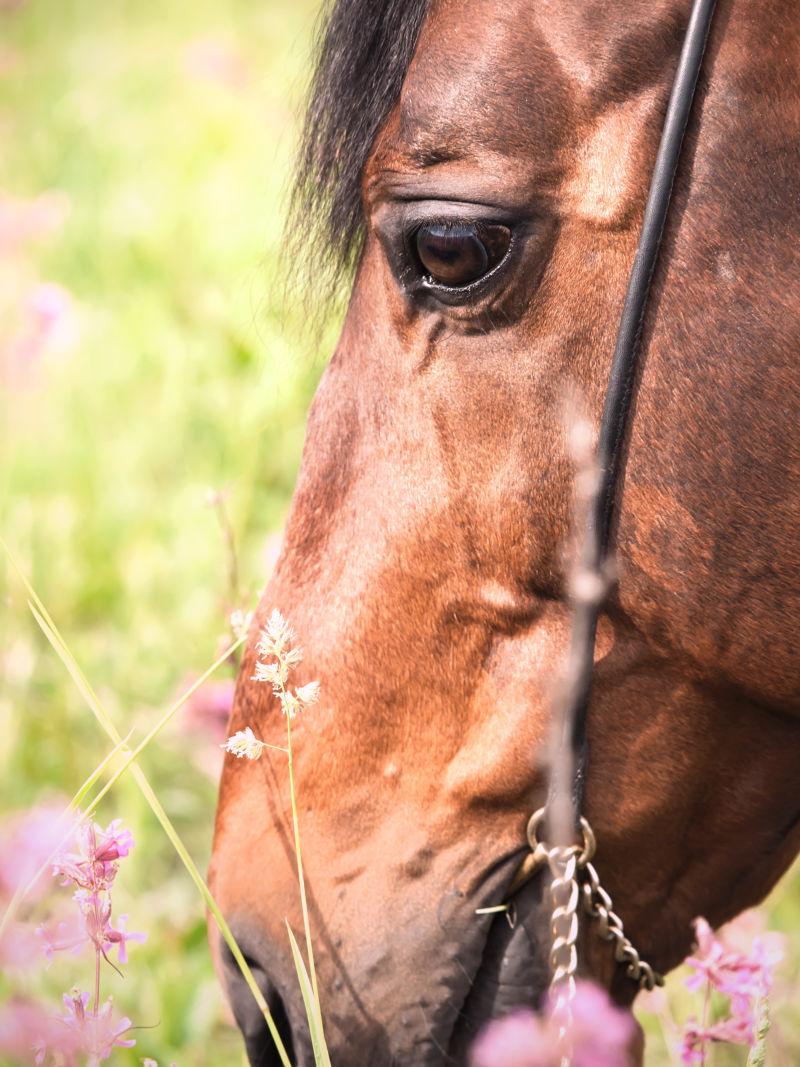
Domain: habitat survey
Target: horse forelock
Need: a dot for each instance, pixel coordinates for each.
(363, 51)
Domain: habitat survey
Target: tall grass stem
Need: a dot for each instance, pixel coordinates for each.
(52, 634)
(162, 722)
(300, 875)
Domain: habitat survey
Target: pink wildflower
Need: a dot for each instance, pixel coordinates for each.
(48, 327)
(91, 867)
(67, 935)
(602, 1033)
(95, 1035)
(209, 709)
(18, 947)
(92, 863)
(748, 934)
(731, 972)
(96, 909)
(27, 1030)
(735, 1029)
(120, 937)
(520, 1039)
(89, 861)
(742, 972)
(205, 718)
(50, 303)
(601, 1036)
(50, 319)
(114, 843)
(76, 1004)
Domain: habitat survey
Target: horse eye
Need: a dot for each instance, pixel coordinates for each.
(455, 254)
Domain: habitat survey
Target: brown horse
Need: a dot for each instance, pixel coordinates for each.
(484, 167)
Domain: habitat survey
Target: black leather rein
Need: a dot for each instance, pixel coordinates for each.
(575, 882)
(615, 421)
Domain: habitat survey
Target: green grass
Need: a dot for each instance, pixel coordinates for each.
(190, 372)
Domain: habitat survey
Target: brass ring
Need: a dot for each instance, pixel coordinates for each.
(584, 854)
(589, 843)
(534, 823)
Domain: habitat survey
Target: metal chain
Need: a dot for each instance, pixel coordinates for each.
(574, 879)
(565, 893)
(598, 905)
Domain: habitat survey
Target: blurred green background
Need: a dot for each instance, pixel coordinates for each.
(149, 355)
(149, 359)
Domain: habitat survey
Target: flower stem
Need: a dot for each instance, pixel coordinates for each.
(298, 854)
(704, 1044)
(96, 980)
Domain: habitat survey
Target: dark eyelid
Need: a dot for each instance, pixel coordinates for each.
(474, 188)
(404, 214)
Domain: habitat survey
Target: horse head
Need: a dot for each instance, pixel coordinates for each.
(483, 168)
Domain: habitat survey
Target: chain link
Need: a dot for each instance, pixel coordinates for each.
(598, 905)
(575, 881)
(565, 894)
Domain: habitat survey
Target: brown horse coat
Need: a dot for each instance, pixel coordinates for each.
(423, 561)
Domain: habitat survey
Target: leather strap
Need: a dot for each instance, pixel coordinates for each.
(615, 421)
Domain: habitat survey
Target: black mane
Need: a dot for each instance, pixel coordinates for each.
(363, 51)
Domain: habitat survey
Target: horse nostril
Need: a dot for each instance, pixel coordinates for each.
(262, 1051)
(259, 1043)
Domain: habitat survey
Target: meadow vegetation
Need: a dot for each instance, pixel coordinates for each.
(154, 381)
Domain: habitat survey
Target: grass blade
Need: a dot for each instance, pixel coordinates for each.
(96, 774)
(162, 722)
(311, 1003)
(758, 1053)
(75, 803)
(300, 876)
(52, 634)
